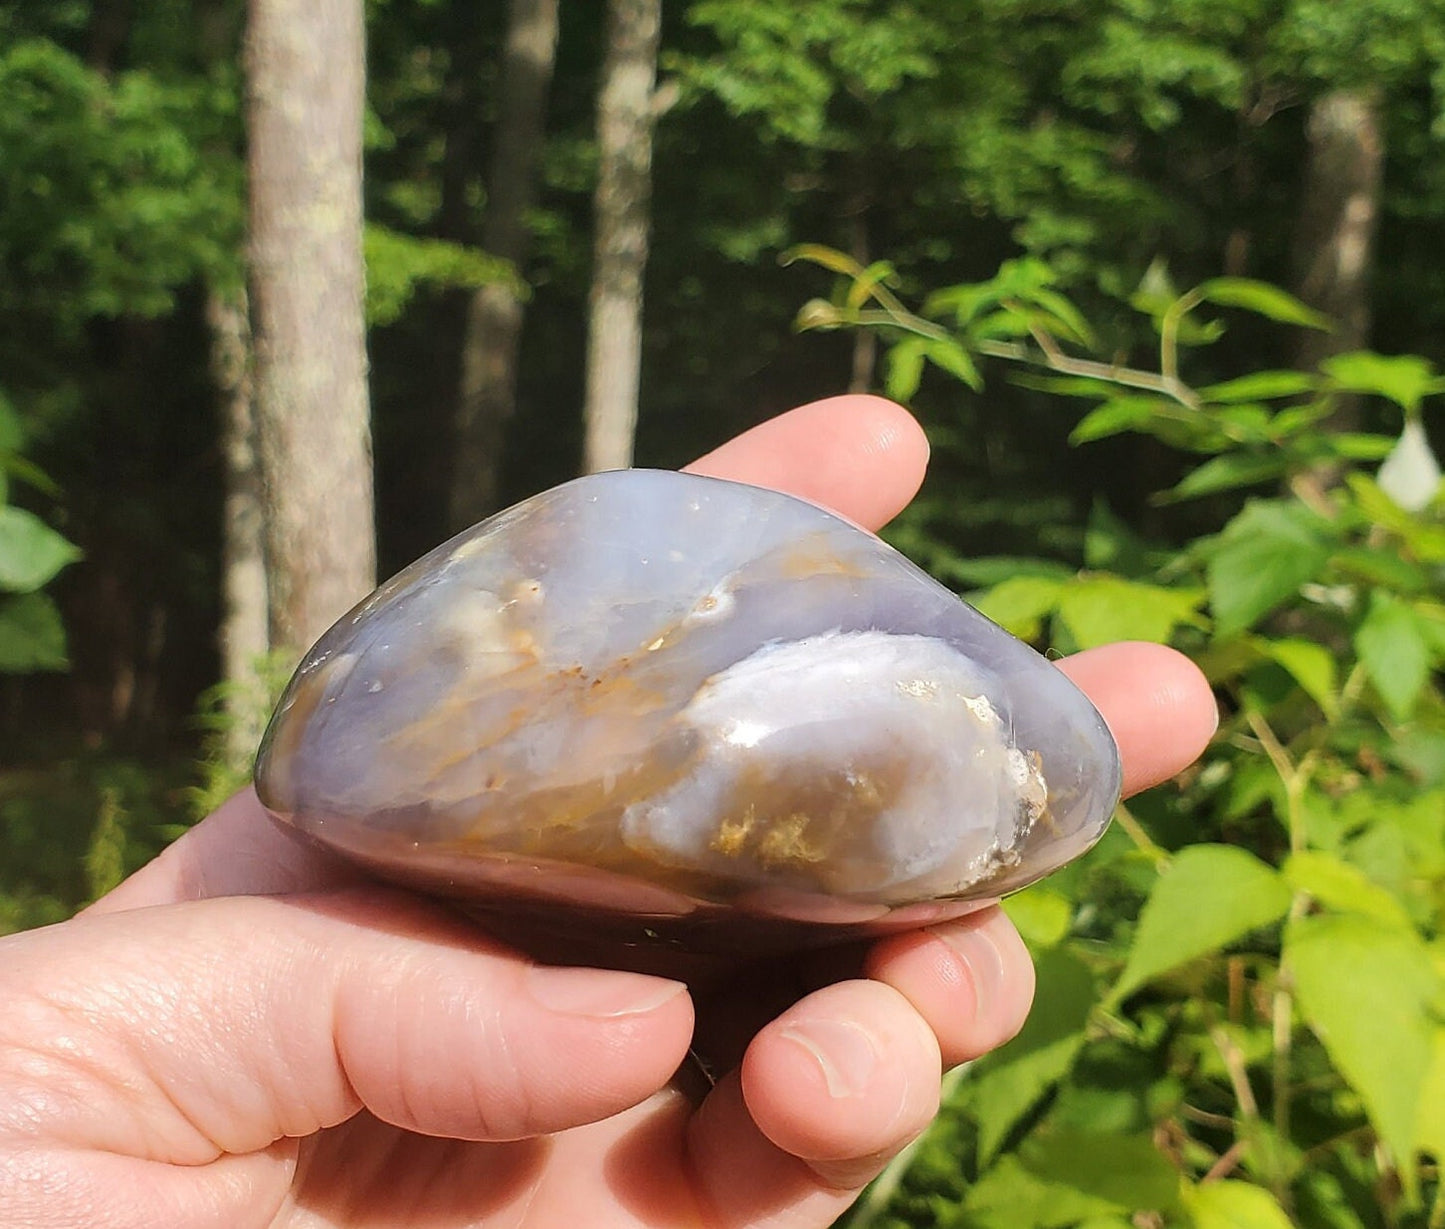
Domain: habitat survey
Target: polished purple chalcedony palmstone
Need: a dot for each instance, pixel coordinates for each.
(701, 712)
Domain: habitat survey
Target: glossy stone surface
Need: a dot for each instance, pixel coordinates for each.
(682, 709)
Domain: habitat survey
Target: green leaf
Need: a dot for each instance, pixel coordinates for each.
(1367, 990)
(1260, 386)
(820, 254)
(1263, 557)
(1127, 1171)
(951, 357)
(1102, 609)
(880, 272)
(32, 637)
(1067, 321)
(1112, 545)
(1019, 604)
(1233, 1205)
(1405, 379)
(903, 368)
(1432, 1099)
(1344, 888)
(1011, 1081)
(1395, 653)
(12, 433)
(818, 315)
(1008, 1196)
(1228, 472)
(28, 472)
(1041, 915)
(1360, 445)
(1382, 568)
(31, 553)
(1115, 416)
(1207, 897)
(1311, 665)
(1264, 300)
(397, 265)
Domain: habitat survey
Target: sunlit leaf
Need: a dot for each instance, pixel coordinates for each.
(1360, 445)
(1333, 882)
(1020, 603)
(1367, 990)
(1125, 1170)
(1405, 379)
(1102, 609)
(1432, 1099)
(1260, 386)
(1011, 1081)
(1206, 898)
(1041, 915)
(1264, 300)
(1234, 1205)
(820, 254)
(1384, 568)
(903, 367)
(1228, 472)
(1008, 1196)
(1311, 665)
(951, 357)
(879, 273)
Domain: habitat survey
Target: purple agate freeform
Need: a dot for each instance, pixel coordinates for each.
(688, 711)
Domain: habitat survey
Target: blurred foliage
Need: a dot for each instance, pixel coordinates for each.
(31, 555)
(232, 703)
(72, 830)
(1239, 1020)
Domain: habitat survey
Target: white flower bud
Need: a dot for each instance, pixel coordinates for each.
(1411, 474)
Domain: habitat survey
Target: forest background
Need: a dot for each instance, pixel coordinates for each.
(1163, 280)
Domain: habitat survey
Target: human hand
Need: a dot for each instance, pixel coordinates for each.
(248, 1033)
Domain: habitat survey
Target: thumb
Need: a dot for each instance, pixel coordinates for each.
(186, 1031)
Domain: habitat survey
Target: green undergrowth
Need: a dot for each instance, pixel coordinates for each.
(75, 827)
(1240, 1020)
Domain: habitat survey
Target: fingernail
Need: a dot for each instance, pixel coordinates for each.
(599, 993)
(845, 1052)
(985, 964)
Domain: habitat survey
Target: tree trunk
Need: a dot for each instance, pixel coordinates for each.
(488, 393)
(1341, 210)
(245, 630)
(625, 118)
(306, 62)
(110, 23)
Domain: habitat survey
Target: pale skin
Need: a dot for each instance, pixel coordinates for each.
(247, 1034)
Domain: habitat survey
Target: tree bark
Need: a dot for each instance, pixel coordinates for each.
(244, 634)
(110, 23)
(625, 117)
(1336, 238)
(488, 393)
(306, 79)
